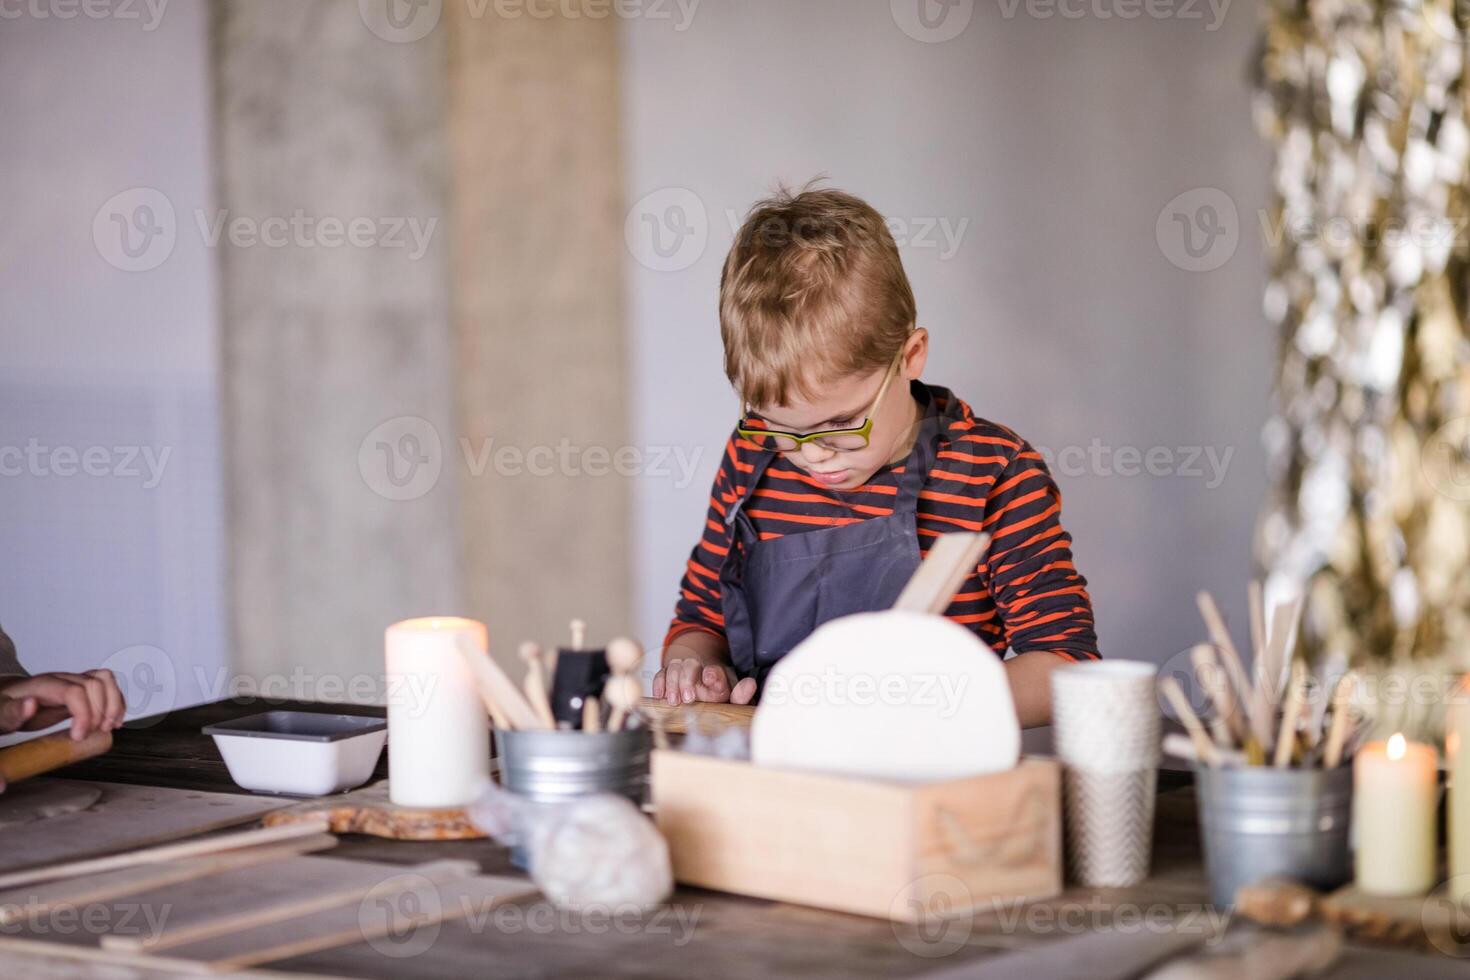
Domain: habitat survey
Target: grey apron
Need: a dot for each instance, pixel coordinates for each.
(774, 593)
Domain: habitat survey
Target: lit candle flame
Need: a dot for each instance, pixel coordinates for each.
(1397, 746)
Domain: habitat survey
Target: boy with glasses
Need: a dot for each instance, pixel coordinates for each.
(846, 467)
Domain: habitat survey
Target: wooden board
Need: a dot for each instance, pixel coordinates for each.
(462, 898)
(383, 913)
(678, 719)
(369, 811)
(126, 817)
(33, 900)
(266, 895)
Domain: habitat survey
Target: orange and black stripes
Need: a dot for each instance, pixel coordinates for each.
(1025, 595)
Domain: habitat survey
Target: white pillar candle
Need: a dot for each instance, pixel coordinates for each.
(1457, 753)
(1395, 789)
(438, 731)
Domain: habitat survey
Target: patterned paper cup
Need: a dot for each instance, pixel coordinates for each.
(1110, 820)
(1105, 715)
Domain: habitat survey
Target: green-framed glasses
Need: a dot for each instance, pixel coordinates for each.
(843, 440)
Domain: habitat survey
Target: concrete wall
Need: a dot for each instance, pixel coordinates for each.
(111, 524)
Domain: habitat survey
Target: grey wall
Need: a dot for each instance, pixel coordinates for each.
(1059, 141)
(99, 561)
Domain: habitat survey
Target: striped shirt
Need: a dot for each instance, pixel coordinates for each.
(1025, 595)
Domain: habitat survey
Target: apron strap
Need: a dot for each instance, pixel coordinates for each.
(758, 470)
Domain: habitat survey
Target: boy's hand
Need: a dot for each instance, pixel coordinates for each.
(684, 680)
(92, 700)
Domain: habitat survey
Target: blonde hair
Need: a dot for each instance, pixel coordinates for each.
(813, 290)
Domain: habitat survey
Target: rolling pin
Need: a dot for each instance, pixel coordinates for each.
(49, 752)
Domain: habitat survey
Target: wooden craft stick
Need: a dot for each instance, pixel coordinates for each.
(536, 684)
(932, 587)
(1337, 731)
(165, 852)
(497, 690)
(1209, 674)
(579, 634)
(1260, 725)
(1204, 748)
(1290, 714)
(591, 715)
(38, 755)
(1182, 747)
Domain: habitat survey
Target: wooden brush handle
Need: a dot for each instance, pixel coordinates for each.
(49, 752)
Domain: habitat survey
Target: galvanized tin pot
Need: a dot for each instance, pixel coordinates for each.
(1256, 822)
(555, 766)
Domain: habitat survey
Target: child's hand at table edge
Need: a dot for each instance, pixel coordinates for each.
(684, 680)
(92, 700)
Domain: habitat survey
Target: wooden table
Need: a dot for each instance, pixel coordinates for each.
(700, 933)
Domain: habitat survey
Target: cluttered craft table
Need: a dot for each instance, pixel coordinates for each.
(1096, 933)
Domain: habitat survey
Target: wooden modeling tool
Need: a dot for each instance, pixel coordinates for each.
(1338, 727)
(1259, 725)
(579, 634)
(1203, 747)
(500, 694)
(591, 715)
(622, 692)
(932, 587)
(536, 683)
(1290, 714)
(48, 752)
(1211, 677)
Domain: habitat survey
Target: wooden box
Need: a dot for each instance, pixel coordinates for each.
(893, 850)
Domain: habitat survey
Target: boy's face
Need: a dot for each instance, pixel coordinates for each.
(844, 403)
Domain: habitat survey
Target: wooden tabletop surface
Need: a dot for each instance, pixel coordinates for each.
(701, 933)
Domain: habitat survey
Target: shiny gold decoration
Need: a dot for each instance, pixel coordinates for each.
(1365, 106)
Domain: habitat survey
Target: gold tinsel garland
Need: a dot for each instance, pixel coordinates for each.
(1365, 104)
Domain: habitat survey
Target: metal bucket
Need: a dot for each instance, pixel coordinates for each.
(1256, 822)
(555, 766)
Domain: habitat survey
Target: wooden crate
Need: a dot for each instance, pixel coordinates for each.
(887, 849)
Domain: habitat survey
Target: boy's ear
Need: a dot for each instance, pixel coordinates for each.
(915, 354)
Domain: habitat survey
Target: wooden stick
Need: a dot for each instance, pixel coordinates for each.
(591, 715)
(1202, 744)
(38, 755)
(579, 634)
(1260, 725)
(1337, 732)
(1284, 619)
(498, 691)
(1286, 738)
(1182, 747)
(30, 901)
(536, 683)
(166, 852)
(932, 587)
(1258, 629)
(1207, 671)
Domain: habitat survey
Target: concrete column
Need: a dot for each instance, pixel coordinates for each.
(538, 310)
(336, 349)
